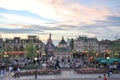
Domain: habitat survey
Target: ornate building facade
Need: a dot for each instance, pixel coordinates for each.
(83, 43)
(102, 48)
(63, 49)
(16, 46)
(62, 46)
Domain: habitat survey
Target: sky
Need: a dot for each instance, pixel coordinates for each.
(68, 18)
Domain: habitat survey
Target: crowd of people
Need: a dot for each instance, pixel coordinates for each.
(10, 69)
(14, 67)
(63, 62)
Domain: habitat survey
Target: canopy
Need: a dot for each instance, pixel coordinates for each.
(111, 60)
(106, 61)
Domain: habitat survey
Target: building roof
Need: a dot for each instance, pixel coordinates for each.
(105, 41)
(62, 41)
(62, 49)
(84, 38)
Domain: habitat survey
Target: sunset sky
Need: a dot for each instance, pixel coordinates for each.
(68, 18)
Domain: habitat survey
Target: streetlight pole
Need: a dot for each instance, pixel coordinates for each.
(5, 56)
(35, 68)
(108, 66)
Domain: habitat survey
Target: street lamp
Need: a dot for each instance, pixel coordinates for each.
(108, 66)
(35, 68)
(5, 55)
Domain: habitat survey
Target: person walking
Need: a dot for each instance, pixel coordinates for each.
(18, 72)
(10, 70)
(105, 78)
(99, 78)
(15, 71)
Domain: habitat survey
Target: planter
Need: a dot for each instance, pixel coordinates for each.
(90, 70)
(41, 72)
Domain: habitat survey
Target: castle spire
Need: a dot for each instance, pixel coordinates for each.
(62, 38)
(50, 36)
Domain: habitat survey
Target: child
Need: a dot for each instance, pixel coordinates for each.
(99, 78)
(105, 78)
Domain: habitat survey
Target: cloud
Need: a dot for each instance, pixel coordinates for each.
(3, 30)
(22, 19)
(14, 26)
(59, 10)
(113, 21)
(26, 27)
(61, 17)
(103, 28)
(42, 27)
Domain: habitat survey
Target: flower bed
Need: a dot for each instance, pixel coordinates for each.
(40, 72)
(90, 70)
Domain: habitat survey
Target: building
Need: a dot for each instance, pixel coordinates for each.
(16, 46)
(1, 46)
(49, 47)
(63, 50)
(105, 47)
(70, 44)
(62, 46)
(83, 43)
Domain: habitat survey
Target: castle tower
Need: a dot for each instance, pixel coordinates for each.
(49, 46)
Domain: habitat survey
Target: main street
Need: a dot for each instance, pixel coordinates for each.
(65, 75)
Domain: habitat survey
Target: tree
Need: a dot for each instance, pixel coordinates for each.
(90, 50)
(30, 51)
(8, 48)
(116, 48)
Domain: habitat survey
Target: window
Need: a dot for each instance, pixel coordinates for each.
(16, 41)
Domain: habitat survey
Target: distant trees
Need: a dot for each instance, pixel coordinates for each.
(30, 51)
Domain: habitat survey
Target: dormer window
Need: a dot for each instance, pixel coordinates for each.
(23, 41)
(16, 41)
(10, 41)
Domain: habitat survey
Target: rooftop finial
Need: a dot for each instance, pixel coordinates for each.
(50, 36)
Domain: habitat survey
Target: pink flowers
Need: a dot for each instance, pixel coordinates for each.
(41, 71)
(89, 70)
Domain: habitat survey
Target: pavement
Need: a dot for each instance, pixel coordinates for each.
(65, 75)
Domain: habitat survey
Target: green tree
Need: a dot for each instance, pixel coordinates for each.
(116, 48)
(89, 49)
(8, 48)
(30, 51)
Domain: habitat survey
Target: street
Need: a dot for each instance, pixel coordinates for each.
(65, 75)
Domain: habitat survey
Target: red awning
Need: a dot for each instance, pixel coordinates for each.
(16, 52)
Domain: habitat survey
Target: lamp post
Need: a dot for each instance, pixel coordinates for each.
(35, 68)
(38, 53)
(86, 52)
(5, 55)
(108, 66)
